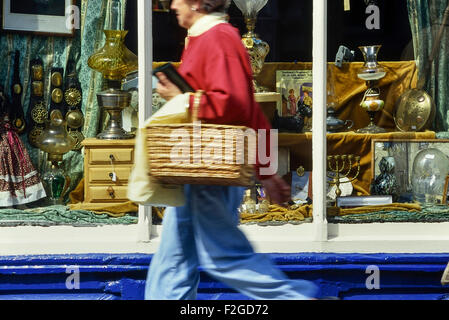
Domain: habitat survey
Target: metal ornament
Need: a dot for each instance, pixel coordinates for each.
(39, 113)
(34, 134)
(57, 95)
(78, 136)
(74, 118)
(72, 96)
(56, 79)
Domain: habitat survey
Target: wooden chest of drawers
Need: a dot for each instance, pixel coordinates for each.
(107, 166)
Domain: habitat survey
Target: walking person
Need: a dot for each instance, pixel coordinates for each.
(204, 232)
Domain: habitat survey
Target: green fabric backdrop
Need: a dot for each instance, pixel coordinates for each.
(55, 52)
(425, 17)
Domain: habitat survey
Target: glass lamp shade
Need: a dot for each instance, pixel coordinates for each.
(114, 60)
(371, 69)
(430, 168)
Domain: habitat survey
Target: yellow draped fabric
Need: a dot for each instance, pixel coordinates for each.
(349, 89)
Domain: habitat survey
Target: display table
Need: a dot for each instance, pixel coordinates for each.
(300, 146)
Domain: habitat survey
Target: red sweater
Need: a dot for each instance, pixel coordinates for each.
(217, 62)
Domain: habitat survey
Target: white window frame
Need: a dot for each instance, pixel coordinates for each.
(319, 236)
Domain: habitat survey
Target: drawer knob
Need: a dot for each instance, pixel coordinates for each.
(113, 176)
(111, 156)
(111, 192)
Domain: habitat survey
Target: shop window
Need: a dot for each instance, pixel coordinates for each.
(406, 45)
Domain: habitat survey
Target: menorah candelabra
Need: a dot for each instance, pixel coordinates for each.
(341, 166)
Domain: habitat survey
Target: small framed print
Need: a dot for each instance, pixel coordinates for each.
(46, 17)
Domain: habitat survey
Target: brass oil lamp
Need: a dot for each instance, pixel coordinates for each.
(114, 60)
(55, 141)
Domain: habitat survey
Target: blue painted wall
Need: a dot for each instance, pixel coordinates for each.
(122, 276)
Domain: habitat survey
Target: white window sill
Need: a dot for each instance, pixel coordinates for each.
(362, 238)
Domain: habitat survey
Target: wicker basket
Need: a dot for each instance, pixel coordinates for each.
(194, 153)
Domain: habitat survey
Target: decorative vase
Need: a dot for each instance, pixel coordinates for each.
(257, 48)
(56, 184)
(385, 183)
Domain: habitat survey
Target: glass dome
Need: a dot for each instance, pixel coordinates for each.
(430, 168)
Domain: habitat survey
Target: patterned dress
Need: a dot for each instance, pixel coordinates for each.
(19, 181)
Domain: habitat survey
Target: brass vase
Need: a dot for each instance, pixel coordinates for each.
(257, 50)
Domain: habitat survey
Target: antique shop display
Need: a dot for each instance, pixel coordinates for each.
(17, 116)
(257, 48)
(371, 72)
(114, 60)
(107, 167)
(37, 112)
(55, 141)
(430, 169)
(342, 170)
(415, 108)
(19, 180)
(73, 100)
(385, 183)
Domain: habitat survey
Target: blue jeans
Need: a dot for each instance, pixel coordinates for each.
(205, 233)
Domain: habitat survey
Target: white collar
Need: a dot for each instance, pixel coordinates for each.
(206, 22)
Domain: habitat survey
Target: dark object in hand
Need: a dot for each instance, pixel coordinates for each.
(172, 74)
(292, 123)
(343, 55)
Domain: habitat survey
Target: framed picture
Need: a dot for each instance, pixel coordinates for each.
(404, 152)
(295, 86)
(46, 17)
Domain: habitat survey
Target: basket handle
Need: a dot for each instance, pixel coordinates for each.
(196, 104)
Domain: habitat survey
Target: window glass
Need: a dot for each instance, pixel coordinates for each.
(384, 81)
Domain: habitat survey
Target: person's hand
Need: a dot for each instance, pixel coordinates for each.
(166, 88)
(277, 189)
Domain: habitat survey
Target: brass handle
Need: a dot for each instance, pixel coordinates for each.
(111, 192)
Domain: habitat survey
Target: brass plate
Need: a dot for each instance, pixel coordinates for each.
(57, 95)
(39, 114)
(415, 111)
(72, 96)
(37, 72)
(56, 79)
(19, 124)
(74, 118)
(37, 88)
